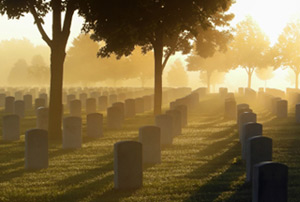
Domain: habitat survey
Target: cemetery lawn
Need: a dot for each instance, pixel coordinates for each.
(203, 164)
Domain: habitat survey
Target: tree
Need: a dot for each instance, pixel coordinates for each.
(18, 72)
(287, 50)
(265, 74)
(250, 47)
(162, 26)
(82, 55)
(207, 66)
(215, 78)
(60, 34)
(177, 76)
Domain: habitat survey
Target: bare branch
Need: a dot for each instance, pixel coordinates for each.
(167, 58)
(38, 22)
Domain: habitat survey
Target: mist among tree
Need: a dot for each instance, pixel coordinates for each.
(177, 76)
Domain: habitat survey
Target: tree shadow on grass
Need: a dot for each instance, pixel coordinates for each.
(219, 183)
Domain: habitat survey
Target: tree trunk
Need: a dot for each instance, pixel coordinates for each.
(208, 81)
(297, 80)
(158, 55)
(55, 113)
(249, 78)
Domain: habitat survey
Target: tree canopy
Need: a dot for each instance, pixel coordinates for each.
(287, 50)
(166, 26)
(250, 47)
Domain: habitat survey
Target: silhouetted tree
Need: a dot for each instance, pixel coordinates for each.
(177, 76)
(219, 62)
(250, 47)
(18, 72)
(161, 26)
(215, 78)
(60, 34)
(287, 50)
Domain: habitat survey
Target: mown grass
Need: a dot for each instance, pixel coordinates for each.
(203, 164)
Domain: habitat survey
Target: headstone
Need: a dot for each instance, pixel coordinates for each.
(128, 165)
(147, 102)
(91, 106)
(94, 125)
(139, 105)
(72, 133)
(149, 136)
(270, 182)
(112, 99)
(121, 107)
(19, 108)
(11, 127)
(274, 102)
(45, 97)
(230, 109)
(259, 149)
(28, 101)
(176, 117)
(103, 103)
(70, 97)
(36, 149)
(297, 113)
(241, 108)
(129, 108)
(184, 114)
(9, 105)
(39, 102)
(165, 123)
(245, 118)
(42, 117)
(282, 109)
(82, 98)
(2, 99)
(249, 130)
(75, 108)
(114, 118)
(18, 95)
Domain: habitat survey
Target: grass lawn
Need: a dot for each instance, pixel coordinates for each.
(203, 164)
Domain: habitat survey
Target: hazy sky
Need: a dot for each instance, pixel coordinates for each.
(271, 15)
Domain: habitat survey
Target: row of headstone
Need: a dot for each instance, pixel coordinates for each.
(269, 179)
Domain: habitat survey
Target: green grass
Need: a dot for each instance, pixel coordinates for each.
(203, 164)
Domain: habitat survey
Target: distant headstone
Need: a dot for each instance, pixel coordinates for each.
(9, 105)
(282, 109)
(241, 108)
(70, 97)
(121, 107)
(147, 102)
(45, 97)
(19, 108)
(274, 102)
(36, 149)
(114, 118)
(2, 99)
(72, 133)
(11, 127)
(184, 114)
(249, 130)
(165, 123)
(176, 117)
(230, 109)
(75, 108)
(130, 108)
(28, 101)
(112, 99)
(91, 106)
(18, 95)
(94, 125)
(128, 165)
(245, 118)
(103, 103)
(270, 182)
(39, 102)
(42, 117)
(139, 105)
(82, 98)
(149, 136)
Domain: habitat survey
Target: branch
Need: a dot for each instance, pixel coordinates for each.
(68, 21)
(38, 22)
(167, 58)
